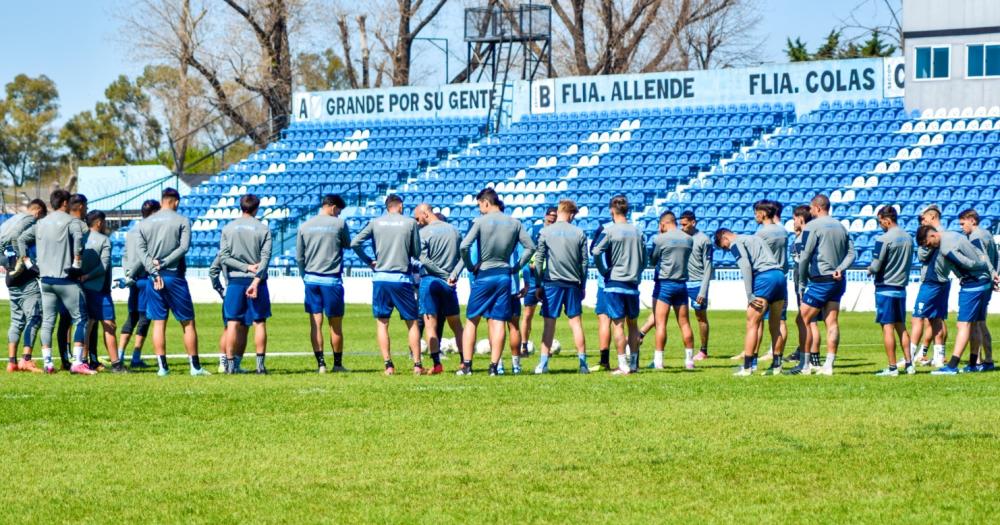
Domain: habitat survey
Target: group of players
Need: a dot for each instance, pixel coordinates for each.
(59, 267)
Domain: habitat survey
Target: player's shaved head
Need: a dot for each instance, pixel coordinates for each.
(668, 217)
(821, 202)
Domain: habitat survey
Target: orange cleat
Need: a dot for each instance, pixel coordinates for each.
(29, 366)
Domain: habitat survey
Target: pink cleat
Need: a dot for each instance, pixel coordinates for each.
(700, 356)
(82, 369)
(689, 365)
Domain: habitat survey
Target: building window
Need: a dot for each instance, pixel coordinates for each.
(933, 62)
(983, 60)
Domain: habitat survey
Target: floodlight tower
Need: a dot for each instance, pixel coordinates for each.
(494, 36)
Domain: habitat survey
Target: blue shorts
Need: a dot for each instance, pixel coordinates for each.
(99, 305)
(656, 292)
(692, 290)
(672, 292)
(772, 286)
(818, 294)
(531, 299)
(490, 296)
(932, 301)
(175, 297)
(622, 305)
(236, 306)
(326, 299)
(890, 304)
(515, 307)
(601, 308)
(561, 297)
(400, 295)
(137, 296)
(974, 301)
(437, 297)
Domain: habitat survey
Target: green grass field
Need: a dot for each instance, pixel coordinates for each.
(670, 446)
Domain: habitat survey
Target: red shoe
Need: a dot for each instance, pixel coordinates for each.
(82, 369)
(29, 366)
(390, 371)
(438, 369)
(12, 367)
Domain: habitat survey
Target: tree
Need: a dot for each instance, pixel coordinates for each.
(320, 71)
(876, 47)
(796, 50)
(182, 100)
(27, 137)
(834, 48)
(723, 40)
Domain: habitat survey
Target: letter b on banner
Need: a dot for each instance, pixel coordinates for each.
(543, 96)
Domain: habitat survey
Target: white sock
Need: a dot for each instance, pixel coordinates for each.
(688, 354)
(658, 358)
(77, 355)
(47, 356)
(623, 361)
(829, 360)
(938, 350)
(516, 360)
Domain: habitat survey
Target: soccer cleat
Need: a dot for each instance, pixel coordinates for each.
(652, 366)
(945, 371)
(824, 371)
(700, 356)
(987, 367)
(12, 367)
(584, 369)
(796, 356)
(390, 370)
(773, 371)
(887, 372)
(262, 371)
(29, 366)
(419, 371)
(340, 369)
(196, 372)
(82, 369)
(97, 366)
(689, 365)
(971, 369)
(910, 370)
(500, 369)
(437, 369)
(138, 364)
(222, 367)
(621, 372)
(802, 368)
(901, 364)
(601, 367)
(321, 369)
(515, 370)
(541, 369)
(49, 369)
(463, 371)
(163, 372)
(743, 372)
(119, 370)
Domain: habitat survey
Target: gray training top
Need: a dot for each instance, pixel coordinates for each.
(164, 236)
(320, 243)
(968, 262)
(58, 240)
(627, 248)
(97, 262)
(983, 240)
(131, 264)
(496, 235)
(777, 240)
(395, 241)
(700, 263)
(215, 271)
(893, 258)
(562, 254)
(12, 228)
(670, 255)
(439, 250)
(245, 241)
(753, 256)
(934, 267)
(826, 248)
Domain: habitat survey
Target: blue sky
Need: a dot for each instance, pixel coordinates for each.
(76, 42)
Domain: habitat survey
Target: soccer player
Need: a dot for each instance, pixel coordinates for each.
(245, 249)
(764, 282)
(981, 337)
(700, 274)
(670, 255)
(96, 283)
(651, 319)
(973, 270)
(561, 268)
(531, 300)
(496, 236)
(440, 257)
(12, 228)
(164, 239)
(622, 271)
(319, 252)
(601, 308)
(768, 214)
(801, 217)
(891, 268)
(24, 292)
(826, 253)
(59, 241)
(395, 241)
(137, 282)
(930, 312)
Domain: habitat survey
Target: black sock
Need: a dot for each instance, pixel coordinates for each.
(814, 359)
(493, 368)
(388, 364)
(436, 356)
(606, 357)
(162, 361)
(230, 366)
(908, 364)
(418, 364)
(12, 360)
(704, 350)
(954, 361)
(117, 365)
(320, 360)
(747, 361)
(777, 361)
(973, 359)
(260, 361)
(892, 367)
(338, 359)
(196, 362)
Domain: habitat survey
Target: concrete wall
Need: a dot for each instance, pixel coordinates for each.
(950, 15)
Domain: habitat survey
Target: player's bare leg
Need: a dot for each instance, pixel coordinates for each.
(687, 334)
(661, 314)
(382, 336)
(755, 316)
(497, 330)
